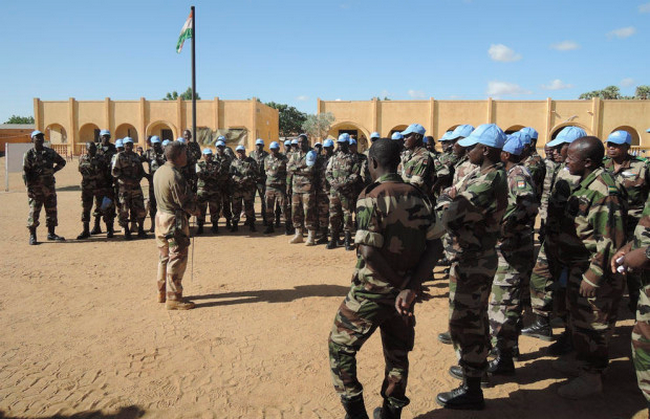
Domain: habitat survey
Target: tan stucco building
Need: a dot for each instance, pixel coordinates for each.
(74, 122)
(597, 117)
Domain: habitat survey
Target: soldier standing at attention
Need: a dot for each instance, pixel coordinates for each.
(207, 191)
(473, 220)
(532, 160)
(243, 174)
(224, 185)
(96, 184)
(446, 161)
(39, 166)
(155, 157)
(516, 252)
(175, 202)
(303, 171)
(128, 171)
(288, 219)
(259, 154)
(193, 156)
(397, 247)
(342, 174)
(323, 192)
(275, 172)
(106, 150)
(417, 166)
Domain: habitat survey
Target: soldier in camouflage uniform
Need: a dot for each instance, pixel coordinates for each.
(39, 166)
(275, 172)
(397, 247)
(445, 163)
(155, 157)
(303, 171)
(549, 180)
(516, 252)
(224, 184)
(288, 150)
(106, 150)
(417, 165)
(473, 219)
(207, 173)
(193, 156)
(532, 160)
(96, 184)
(342, 174)
(593, 224)
(634, 174)
(259, 154)
(128, 171)
(430, 144)
(322, 195)
(243, 174)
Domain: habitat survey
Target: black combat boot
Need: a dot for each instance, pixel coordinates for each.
(456, 371)
(215, 227)
(110, 233)
(445, 337)
(277, 219)
(234, 228)
(288, 228)
(86, 233)
(322, 236)
(199, 230)
(51, 235)
(387, 411)
(563, 345)
(153, 223)
(97, 229)
(468, 396)
(141, 232)
(334, 240)
(228, 225)
(32, 236)
(540, 329)
(503, 364)
(251, 225)
(134, 227)
(269, 229)
(127, 233)
(354, 407)
(348, 241)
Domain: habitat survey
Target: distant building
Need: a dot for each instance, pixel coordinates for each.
(15, 133)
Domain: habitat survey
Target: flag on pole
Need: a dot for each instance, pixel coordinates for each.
(186, 33)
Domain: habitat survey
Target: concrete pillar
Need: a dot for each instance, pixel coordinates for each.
(375, 114)
(215, 113)
(319, 106)
(73, 123)
(596, 126)
(490, 111)
(109, 122)
(431, 126)
(38, 121)
(549, 120)
(180, 122)
(142, 135)
(253, 124)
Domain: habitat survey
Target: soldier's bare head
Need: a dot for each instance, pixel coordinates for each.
(176, 152)
(187, 134)
(585, 155)
(91, 148)
(383, 157)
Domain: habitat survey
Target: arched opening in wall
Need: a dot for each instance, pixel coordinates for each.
(633, 133)
(555, 131)
(127, 130)
(55, 134)
(514, 129)
(398, 128)
(164, 130)
(89, 133)
(355, 131)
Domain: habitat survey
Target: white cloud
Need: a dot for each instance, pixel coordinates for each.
(628, 82)
(338, 99)
(644, 8)
(622, 32)
(499, 88)
(416, 94)
(500, 52)
(556, 84)
(302, 98)
(565, 46)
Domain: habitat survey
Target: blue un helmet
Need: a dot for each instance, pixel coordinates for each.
(328, 143)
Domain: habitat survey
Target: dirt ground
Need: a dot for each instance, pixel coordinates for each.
(82, 335)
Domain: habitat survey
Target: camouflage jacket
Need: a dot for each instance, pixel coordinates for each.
(94, 172)
(223, 173)
(395, 218)
(462, 168)
(564, 185)
(595, 213)
(473, 217)
(106, 151)
(634, 175)
(642, 230)
(549, 180)
(244, 173)
(417, 168)
(364, 173)
(207, 173)
(193, 151)
(343, 172)
(127, 169)
(259, 159)
(38, 167)
(275, 171)
(519, 219)
(154, 160)
(304, 178)
(537, 168)
(445, 164)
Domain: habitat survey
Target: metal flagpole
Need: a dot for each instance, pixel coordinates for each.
(193, 109)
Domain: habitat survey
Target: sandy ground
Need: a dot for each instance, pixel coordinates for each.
(82, 335)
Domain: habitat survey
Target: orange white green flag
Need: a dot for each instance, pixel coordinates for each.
(186, 33)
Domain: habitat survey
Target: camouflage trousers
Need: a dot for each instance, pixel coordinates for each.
(39, 196)
(356, 320)
(131, 202)
(303, 210)
(323, 210)
(641, 342)
(225, 197)
(273, 197)
(96, 196)
(511, 278)
(212, 200)
(470, 280)
(342, 208)
(592, 320)
(544, 278)
(261, 191)
(247, 198)
(172, 240)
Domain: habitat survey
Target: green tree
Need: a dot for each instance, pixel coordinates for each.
(186, 95)
(614, 93)
(15, 119)
(318, 125)
(642, 92)
(291, 119)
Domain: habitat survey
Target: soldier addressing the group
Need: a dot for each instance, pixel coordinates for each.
(175, 202)
(96, 185)
(39, 166)
(397, 247)
(128, 171)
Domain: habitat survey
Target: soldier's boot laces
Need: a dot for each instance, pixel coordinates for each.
(348, 241)
(456, 371)
(503, 364)
(311, 238)
(141, 232)
(387, 411)
(468, 396)
(110, 233)
(32, 236)
(51, 235)
(540, 329)
(97, 229)
(269, 229)
(334, 240)
(297, 238)
(199, 230)
(354, 407)
(586, 385)
(445, 337)
(86, 233)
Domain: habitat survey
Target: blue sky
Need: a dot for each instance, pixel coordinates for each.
(296, 51)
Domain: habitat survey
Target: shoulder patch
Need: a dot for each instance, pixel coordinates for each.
(521, 184)
(612, 190)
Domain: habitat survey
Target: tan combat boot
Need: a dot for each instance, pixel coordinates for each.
(162, 296)
(297, 238)
(311, 238)
(179, 305)
(586, 385)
